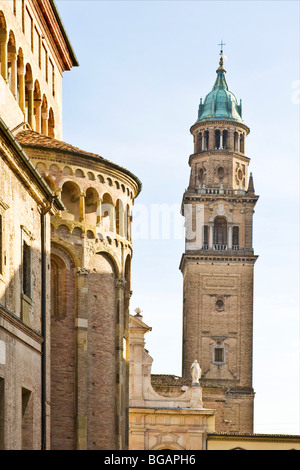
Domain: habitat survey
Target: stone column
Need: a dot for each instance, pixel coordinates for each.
(229, 244)
(30, 90)
(129, 226)
(21, 75)
(82, 207)
(44, 122)
(112, 218)
(238, 141)
(211, 236)
(211, 139)
(38, 115)
(242, 143)
(203, 141)
(230, 144)
(98, 212)
(81, 335)
(221, 139)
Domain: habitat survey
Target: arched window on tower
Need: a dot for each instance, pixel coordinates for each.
(242, 143)
(220, 233)
(205, 140)
(198, 142)
(236, 142)
(225, 139)
(217, 139)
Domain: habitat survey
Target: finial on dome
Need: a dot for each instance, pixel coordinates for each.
(221, 62)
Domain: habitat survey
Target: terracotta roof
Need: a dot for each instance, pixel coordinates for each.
(29, 138)
(169, 380)
(34, 139)
(8, 135)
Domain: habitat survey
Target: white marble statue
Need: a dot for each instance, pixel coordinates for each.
(196, 372)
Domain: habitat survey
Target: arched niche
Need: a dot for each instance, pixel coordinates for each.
(107, 213)
(91, 205)
(3, 46)
(12, 63)
(70, 197)
(67, 171)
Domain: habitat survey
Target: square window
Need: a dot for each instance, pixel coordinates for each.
(219, 354)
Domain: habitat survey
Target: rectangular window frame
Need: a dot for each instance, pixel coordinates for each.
(26, 244)
(219, 349)
(26, 270)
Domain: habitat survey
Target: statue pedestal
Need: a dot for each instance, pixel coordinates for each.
(196, 395)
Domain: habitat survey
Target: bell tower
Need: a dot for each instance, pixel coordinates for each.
(219, 259)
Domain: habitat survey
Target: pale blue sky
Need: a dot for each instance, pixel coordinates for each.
(143, 67)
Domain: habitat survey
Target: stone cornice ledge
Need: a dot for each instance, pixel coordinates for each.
(14, 326)
(206, 256)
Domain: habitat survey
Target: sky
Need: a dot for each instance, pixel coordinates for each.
(144, 65)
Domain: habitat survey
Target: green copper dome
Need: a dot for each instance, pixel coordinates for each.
(220, 103)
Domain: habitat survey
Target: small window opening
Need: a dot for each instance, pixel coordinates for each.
(26, 270)
(219, 354)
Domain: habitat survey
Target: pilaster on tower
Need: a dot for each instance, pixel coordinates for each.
(218, 262)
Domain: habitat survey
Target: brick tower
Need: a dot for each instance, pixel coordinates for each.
(218, 262)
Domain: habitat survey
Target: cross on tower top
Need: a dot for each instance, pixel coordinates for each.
(221, 44)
